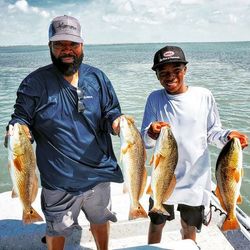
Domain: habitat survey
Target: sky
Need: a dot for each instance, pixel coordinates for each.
(26, 22)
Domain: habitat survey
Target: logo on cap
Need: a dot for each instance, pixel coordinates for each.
(168, 53)
(63, 26)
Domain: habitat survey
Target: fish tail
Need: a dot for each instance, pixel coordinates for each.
(138, 212)
(160, 210)
(230, 224)
(31, 216)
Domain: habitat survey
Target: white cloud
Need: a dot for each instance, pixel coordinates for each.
(233, 19)
(23, 6)
(19, 5)
(191, 1)
(121, 21)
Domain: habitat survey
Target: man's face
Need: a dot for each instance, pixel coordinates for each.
(67, 56)
(171, 77)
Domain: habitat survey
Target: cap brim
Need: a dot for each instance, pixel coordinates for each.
(167, 62)
(66, 37)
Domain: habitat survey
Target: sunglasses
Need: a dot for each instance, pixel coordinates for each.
(80, 105)
(61, 45)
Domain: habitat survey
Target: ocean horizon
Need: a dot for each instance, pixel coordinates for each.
(130, 43)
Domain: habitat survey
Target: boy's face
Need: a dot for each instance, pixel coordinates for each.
(171, 77)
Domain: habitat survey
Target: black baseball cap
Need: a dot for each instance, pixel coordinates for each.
(65, 28)
(168, 54)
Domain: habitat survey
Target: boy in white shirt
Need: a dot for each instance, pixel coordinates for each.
(193, 117)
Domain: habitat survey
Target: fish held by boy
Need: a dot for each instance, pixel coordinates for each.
(228, 175)
(164, 162)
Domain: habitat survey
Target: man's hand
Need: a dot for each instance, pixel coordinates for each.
(11, 131)
(242, 137)
(155, 129)
(7, 134)
(116, 125)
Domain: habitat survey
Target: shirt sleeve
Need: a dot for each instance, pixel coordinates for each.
(148, 117)
(24, 108)
(110, 105)
(216, 134)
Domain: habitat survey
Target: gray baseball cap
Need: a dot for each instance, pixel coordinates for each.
(65, 28)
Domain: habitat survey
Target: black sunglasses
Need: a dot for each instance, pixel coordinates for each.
(80, 105)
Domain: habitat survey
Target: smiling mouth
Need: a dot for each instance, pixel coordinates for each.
(170, 83)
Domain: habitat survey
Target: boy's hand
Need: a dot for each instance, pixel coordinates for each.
(155, 129)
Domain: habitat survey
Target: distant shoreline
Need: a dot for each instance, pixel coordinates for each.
(118, 44)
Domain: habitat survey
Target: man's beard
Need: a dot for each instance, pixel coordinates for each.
(67, 69)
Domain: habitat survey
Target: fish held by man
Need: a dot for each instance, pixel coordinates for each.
(228, 175)
(22, 166)
(133, 157)
(164, 162)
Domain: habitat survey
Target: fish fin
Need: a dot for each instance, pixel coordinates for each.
(130, 119)
(230, 224)
(236, 176)
(14, 194)
(218, 195)
(149, 190)
(18, 163)
(125, 188)
(144, 182)
(152, 160)
(157, 160)
(170, 189)
(34, 189)
(138, 212)
(239, 199)
(125, 148)
(217, 191)
(31, 216)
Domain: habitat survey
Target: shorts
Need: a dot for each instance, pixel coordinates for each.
(61, 209)
(193, 216)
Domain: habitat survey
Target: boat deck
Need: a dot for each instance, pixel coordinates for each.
(123, 235)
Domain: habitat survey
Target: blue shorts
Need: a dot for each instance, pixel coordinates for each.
(61, 209)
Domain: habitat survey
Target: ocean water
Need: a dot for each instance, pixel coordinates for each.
(224, 68)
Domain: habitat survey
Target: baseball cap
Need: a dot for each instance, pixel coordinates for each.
(65, 28)
(168, 54)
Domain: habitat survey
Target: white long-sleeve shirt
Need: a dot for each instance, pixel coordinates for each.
(195, 122)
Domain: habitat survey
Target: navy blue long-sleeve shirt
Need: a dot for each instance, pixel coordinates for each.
(73, 149)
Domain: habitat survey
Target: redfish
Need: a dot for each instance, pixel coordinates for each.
(22, 166)
(164, 162)
(133, 157)
(228, 175)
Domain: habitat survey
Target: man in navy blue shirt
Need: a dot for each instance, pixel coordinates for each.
(71, 109)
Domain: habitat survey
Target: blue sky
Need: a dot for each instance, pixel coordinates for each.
(25, 22)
